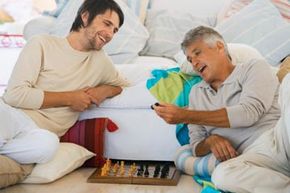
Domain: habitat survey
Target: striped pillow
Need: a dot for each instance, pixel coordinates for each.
(283, 7)
(139, 7)
(259, 25)
(236, 5)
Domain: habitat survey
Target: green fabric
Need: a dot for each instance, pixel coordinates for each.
(173, 86)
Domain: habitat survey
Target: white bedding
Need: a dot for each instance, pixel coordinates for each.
(142, 135)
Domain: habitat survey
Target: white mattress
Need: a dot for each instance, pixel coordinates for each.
(142, 135)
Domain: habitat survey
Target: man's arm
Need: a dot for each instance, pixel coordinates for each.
(78, 100)
(174, 115)
(21, 92)
(100, 93)
(218, 145)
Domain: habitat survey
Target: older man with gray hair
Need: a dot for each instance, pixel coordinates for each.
(228, 110)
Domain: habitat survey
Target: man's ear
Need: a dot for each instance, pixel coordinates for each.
(220, 46)
(85, 18)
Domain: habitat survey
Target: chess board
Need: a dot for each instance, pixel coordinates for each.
(170, 179)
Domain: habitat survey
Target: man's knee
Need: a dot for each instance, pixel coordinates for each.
(221, 176)
(47, 146)
(181, 155)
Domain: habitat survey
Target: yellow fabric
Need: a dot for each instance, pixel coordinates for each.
(284, 69)
(5, 17)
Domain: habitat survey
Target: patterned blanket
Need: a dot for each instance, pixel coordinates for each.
(173, 86)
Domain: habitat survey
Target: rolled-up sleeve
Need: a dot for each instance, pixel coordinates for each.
(22, 91)
(197, 133)
(259, 85)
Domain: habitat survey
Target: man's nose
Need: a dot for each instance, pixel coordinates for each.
(110, 33)
(194, 63)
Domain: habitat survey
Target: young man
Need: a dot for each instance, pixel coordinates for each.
(228, 110)
(55, 79)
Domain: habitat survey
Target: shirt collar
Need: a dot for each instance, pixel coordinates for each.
(231, 78)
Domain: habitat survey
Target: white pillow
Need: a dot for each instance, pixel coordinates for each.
(260, 25)
(139, 7)
(68, 157)
(239, 53)
(125, 45)
(198, 8)
(167, 29)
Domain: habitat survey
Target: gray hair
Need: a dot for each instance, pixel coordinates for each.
(206, 34)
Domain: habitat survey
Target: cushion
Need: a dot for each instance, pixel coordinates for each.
(139, 7)
(235, 6)
(43, 23)
(5, 17)
(11, 41)
(60, 4)
(260, 25)
(125, 45)
(203, 8)
(239, 53)
(68, 157)
(11, 172)
(168, 22)
(90, 134)
(167, 29)
(284, 69)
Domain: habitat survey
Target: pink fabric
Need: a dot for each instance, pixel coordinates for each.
(235, 6)
(90, 134)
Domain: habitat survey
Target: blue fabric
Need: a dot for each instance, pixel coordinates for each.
(60, 4)
(207, 185)
(181, 99)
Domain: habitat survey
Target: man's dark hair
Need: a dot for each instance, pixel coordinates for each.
(94, 8)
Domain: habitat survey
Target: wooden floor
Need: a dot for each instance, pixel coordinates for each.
(76, 182)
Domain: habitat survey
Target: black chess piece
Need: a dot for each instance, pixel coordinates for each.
(164, 171)
(146, 172)
(141, 167)
(139, 172)
(156, 171)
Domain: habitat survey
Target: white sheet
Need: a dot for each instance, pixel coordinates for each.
(142, 135)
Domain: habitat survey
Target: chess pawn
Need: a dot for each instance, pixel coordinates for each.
(116, 168)
(156, 171)
(108, 163)
(122, 171)
(146, 172)
(164, 171)
(104, 170)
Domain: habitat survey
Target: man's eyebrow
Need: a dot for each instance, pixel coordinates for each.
(116, 29)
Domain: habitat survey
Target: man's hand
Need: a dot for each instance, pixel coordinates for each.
(80, 100)
(170, 113)
(100, 93)
(221, 147)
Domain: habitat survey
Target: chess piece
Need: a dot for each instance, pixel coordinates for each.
(146, 172)
(116, 168)
(104, 170)
(141, 167)
(164, 171)
(122, 168)
(156, 171)
(139, 172)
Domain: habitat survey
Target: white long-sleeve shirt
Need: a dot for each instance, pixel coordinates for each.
(250, 96)
(49, 63)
